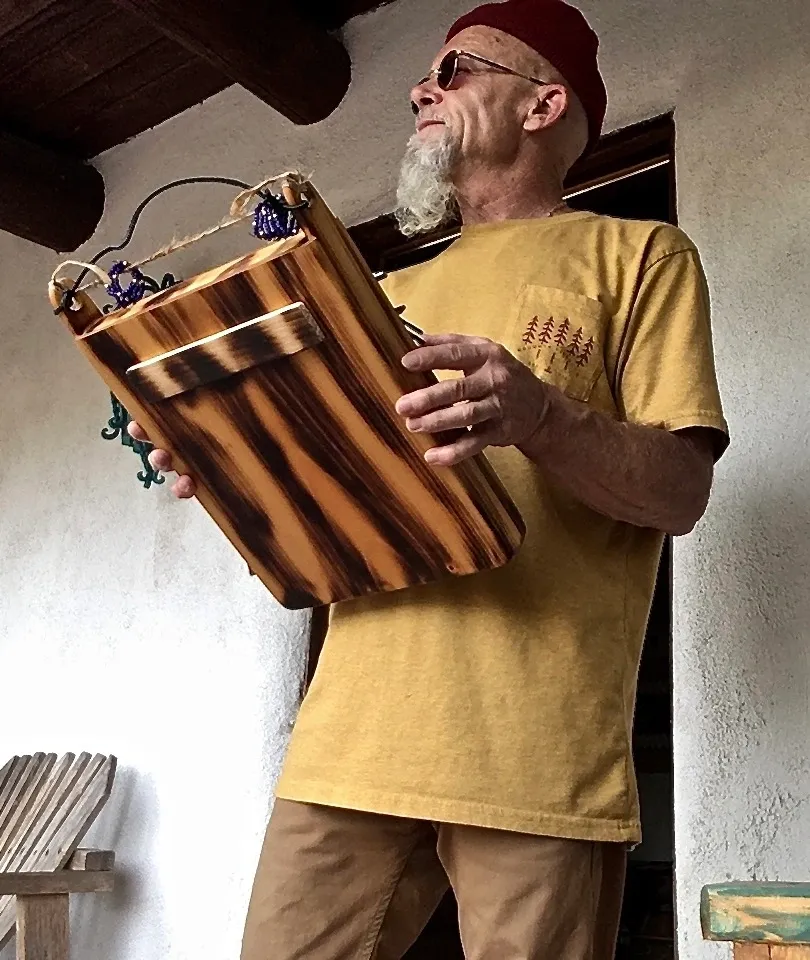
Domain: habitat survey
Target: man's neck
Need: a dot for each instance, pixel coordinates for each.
(487, 196)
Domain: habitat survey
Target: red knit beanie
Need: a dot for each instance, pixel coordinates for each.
(560, 34)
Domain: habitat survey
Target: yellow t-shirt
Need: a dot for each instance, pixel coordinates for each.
(505, 699)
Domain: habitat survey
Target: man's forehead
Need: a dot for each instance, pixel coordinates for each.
(488, 42)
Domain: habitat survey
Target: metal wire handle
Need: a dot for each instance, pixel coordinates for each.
(69, 294)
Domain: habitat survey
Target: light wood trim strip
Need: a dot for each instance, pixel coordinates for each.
(280, 333)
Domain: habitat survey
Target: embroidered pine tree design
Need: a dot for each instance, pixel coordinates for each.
(585, 352)
(531, 331)
(560, 338)
(572, 350)
(562, 332)
(545, 337)
(547, 331)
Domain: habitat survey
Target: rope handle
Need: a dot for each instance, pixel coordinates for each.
(292, 183)
(103, 276)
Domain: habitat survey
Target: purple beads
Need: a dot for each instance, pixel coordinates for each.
(134, 290)
(272, 220)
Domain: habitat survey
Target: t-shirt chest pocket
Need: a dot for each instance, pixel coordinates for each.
(560, 337)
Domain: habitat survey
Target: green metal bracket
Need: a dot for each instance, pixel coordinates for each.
(117, 427)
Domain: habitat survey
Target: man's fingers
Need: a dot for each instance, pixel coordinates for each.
(184, 487)
(453, 453)
(160, 460)
(136, 431)
(435, 339)
(453, 418)
(462, 354)
(442, 394)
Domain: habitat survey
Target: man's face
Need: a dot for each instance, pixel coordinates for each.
(484, 109)
(477, 125)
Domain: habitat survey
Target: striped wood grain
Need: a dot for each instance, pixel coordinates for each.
(302, 461)
(280, 333)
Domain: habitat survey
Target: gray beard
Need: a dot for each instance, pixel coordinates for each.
(425, 194)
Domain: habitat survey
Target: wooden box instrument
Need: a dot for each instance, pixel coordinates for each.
(272, 381)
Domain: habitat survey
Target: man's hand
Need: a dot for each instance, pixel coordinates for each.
(643, 475)
(498, 398)
(184, 487)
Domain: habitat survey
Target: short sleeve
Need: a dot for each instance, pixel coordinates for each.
(666, 376)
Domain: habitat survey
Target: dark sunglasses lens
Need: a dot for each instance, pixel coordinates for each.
(446, 73)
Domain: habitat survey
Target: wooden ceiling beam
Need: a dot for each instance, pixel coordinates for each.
(287, 61)
(46, 197)
(332, 14)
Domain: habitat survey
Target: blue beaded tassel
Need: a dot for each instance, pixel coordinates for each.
(272, 220)
(138, 286)
(134, 290)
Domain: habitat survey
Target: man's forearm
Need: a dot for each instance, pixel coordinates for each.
(640, 475)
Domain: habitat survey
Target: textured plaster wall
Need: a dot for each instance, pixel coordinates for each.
(128, 625)
(737, 74)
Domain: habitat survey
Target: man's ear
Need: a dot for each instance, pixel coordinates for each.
(547, 108)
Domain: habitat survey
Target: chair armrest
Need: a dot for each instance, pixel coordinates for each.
(56, 881)
(86, 859)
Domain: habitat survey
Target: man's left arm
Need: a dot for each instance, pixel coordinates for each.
(642, 475)
(654, 468)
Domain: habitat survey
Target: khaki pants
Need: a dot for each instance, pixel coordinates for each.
(336, 884)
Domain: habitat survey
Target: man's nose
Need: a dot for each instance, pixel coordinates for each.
(426, 93)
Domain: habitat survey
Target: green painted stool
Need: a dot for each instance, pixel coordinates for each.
(764, 921)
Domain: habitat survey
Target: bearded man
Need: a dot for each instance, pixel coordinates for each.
(477, 732)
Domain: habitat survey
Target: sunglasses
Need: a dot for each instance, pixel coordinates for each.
(448, 69)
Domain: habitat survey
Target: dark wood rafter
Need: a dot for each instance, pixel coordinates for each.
(331, 15)
(297, 68)
(85, 75)
(47, 197)
(81, 76)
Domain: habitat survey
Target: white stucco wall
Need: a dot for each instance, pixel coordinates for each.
(128, 625)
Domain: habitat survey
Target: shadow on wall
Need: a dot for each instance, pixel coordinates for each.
(112, 925)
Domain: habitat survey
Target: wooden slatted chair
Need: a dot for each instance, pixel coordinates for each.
(764, 921)
(46, 807)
